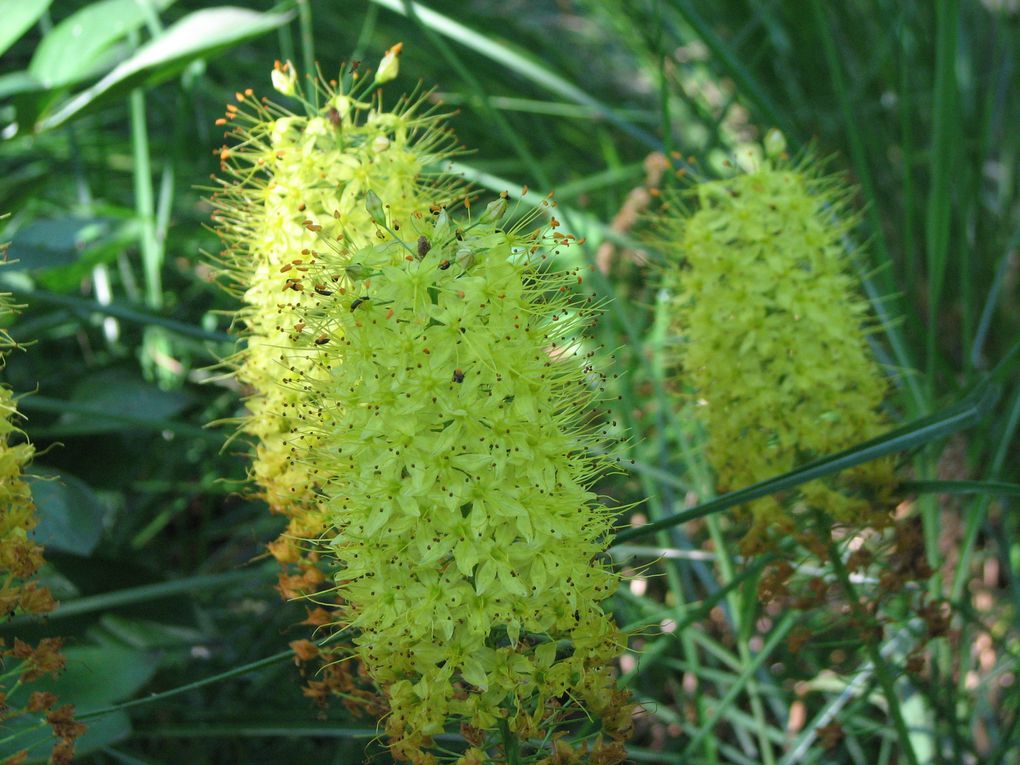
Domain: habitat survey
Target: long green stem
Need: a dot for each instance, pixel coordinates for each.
(966, 413)
(307, 38)
(144, 594)
(121, 311)
(511, 746)
(882, 671)
(156, 345)
(244, 669)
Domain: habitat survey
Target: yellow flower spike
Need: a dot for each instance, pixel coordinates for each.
(295, 184)
(774, 333)
(456, 476)
(20, 557)
(20, 561)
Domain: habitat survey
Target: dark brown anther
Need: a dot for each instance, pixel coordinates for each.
(357, 302)
(423, 246)
(334, 117)
(321, 340)
(458, 376)
(444, 265)
(321, 289)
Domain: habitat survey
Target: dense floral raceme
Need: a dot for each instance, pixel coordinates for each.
(20, 560)
(20, 557)
(291, 182)
(454, 436)
(774, 334)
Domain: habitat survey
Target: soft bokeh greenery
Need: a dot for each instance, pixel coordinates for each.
(158, 555)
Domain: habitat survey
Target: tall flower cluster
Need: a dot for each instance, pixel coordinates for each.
(20, 556)
(420, 407)
(20, 560)
(295, 183)
(455, 436)
(774, 334)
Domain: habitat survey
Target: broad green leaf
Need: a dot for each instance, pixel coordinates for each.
(17, 16)
(102, 732)
(95, 677)
(136, 315)
(201, 34)
(70, 514)
(119, 237)
(146, 634)
(54, 242)
(66, 249)
(123, 394)
(67, 54)
(18, 82)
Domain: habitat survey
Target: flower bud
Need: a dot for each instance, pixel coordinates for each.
(389, 67)
(285, 79)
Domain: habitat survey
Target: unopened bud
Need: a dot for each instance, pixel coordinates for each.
(389, 67)
(285, 79)
(775, 143)
(375, 208)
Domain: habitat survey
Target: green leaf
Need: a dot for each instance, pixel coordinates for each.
(201, 34)
(146, 634)
(70, 51)
(18, 16)
(123, 394)
(54, 242)
(95, 677)
(529, 67)
(966, 413)
(147, 593)
(70, 514)
(123, 311)
(39, 742)
(18, 82)
(988, 488)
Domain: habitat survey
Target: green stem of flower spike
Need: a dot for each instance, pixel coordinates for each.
(966, 413)
(511, 746)
(885, 678)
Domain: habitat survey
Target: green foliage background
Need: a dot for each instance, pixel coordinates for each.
(157, 557)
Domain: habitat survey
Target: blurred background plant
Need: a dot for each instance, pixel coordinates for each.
(158, 558)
